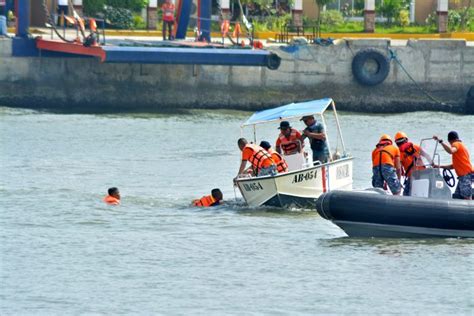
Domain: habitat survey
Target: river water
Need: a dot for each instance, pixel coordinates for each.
(63, 251)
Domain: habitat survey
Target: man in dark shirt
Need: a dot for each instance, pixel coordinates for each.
(317, 138)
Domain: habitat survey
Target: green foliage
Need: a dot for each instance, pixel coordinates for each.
(455, 20)
(403, 18)
(92, 7)
(272, 23)
(133, 5)
(391, 8)
(331, 18)
(138, 22)
(119, 18)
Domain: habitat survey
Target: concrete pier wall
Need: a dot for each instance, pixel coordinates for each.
(444, 68)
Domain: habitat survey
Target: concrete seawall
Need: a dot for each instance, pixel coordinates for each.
(444, 68)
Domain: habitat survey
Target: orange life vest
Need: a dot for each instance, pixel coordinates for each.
(289, 144)
(409, 155)
(168, 12)
(461, 160)
(260, 158)
(237, 30)
(111, 200)
(206, 201)
(384, 155)
(279, 161)
(225, 27)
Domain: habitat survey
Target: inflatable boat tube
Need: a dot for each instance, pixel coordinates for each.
(360, 71)
(375, 214)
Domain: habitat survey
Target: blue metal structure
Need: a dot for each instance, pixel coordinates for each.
(23, 21)
(189, 56)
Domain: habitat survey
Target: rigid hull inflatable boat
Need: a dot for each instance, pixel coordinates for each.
(377, 214)
(429, 211)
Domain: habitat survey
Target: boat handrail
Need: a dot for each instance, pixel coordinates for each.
(333, 162)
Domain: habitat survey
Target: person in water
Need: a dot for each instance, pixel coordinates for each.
(277, 158)
(314, 131)
(386, 165)
(261, 161)
(113, 197)
(461, 164)
(410, 159)
(210, 200)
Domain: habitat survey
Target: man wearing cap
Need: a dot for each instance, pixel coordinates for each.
(461, 164)
(289, 140)
(314, 131)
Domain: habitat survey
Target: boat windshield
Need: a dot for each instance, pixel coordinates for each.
(430, 149)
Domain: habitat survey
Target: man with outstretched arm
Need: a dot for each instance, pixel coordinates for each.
(461, 164)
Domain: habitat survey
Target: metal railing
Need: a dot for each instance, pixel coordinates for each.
(65, 26)
(289, 31)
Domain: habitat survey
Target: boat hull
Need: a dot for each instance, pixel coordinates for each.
(297, 189)
(365, 214)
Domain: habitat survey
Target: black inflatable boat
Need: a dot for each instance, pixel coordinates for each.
(374, 213)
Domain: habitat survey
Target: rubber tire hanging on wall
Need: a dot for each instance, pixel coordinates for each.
(273, 61)
(359, 64)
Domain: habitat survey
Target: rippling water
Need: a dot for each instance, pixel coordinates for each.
(63, 251)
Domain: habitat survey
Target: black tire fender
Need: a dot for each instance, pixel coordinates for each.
(273, 61)
(362, 74)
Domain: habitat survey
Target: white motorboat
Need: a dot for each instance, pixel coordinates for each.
(306, 180)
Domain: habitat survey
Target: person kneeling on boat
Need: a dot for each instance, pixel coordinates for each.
(259, 158)
(210, 200)
(277, 158)
(113, 197)
(289, 140)
(386, 165)
(410, 158)
(461, 164)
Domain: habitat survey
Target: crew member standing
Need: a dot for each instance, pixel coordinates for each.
(317, 138)
(410, 158)
(461, 164)
(386, 165)
(289, 140)
(168, 10)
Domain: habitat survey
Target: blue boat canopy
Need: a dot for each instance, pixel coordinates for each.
(289, 111)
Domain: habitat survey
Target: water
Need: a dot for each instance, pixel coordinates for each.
(62, 251)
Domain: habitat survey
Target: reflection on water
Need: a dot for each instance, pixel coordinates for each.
(63, 251)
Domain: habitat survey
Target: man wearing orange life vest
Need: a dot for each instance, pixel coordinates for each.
(210, 200)
(410, 158)
(289, 140)
(386, 165)
(258, 157)
(461, 164)
(113, 197)
(168, 10)
(281, 165)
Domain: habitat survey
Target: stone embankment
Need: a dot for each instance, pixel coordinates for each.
(443, 68)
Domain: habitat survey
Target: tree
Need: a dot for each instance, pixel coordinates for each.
(391, 8)
(465, 12)
(321, 4)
